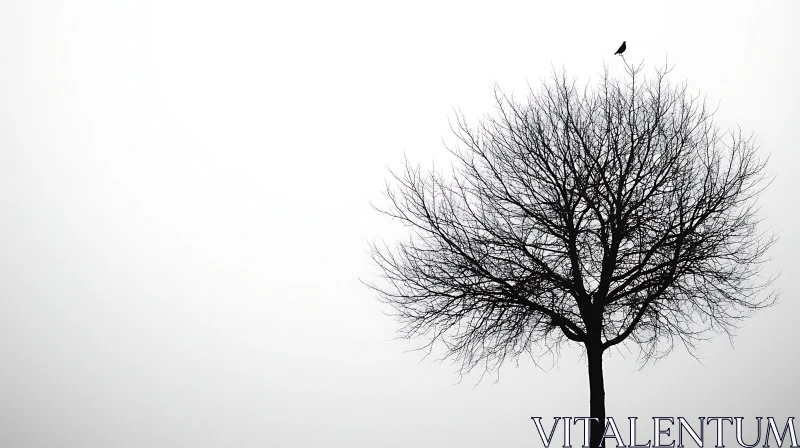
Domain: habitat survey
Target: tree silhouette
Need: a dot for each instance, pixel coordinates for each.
(618, 214)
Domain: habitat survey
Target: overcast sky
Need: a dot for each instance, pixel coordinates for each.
(185, 191)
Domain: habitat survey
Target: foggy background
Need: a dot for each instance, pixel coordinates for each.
(185, 213)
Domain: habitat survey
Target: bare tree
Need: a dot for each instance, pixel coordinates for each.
(604, 215)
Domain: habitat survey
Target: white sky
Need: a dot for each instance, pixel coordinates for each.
(185, 194)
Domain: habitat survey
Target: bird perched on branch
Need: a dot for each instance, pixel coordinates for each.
(621, 48)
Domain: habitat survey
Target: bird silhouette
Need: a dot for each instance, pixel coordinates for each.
(621, 48)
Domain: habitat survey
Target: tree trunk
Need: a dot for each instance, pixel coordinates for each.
(597, 395)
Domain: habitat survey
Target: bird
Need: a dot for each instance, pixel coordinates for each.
(621, 48)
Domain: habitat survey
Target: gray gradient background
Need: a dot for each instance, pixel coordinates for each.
(185, 188)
